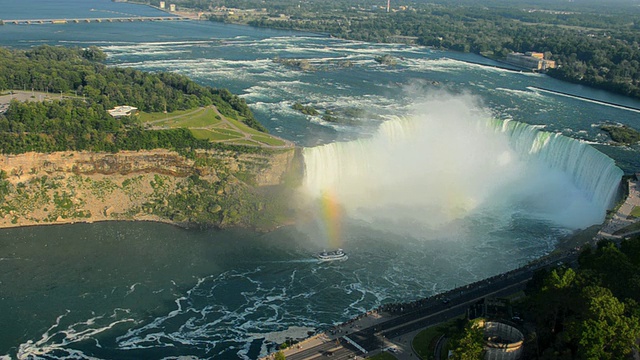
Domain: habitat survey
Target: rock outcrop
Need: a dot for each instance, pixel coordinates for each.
(206, 188)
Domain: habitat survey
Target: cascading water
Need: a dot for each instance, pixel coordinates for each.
(594, 173)
(448, 163)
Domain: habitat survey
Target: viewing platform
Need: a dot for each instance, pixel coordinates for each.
(94, 20)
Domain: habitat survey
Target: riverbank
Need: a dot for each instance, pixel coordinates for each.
(393, 326)
(216, 189)
(567, 250)
(622, 223)
(601, 102)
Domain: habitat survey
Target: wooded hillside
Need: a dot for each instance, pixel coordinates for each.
(80, 120)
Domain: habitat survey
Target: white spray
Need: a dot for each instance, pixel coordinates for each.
(449, 161)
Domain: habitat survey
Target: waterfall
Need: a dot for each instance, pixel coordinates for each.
(591, 171)
(450, 162)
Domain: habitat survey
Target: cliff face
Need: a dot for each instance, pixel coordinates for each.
(214, 188)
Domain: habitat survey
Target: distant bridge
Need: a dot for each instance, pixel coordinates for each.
(94, 20)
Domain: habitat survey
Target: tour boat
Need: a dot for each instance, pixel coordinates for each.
(332, 255)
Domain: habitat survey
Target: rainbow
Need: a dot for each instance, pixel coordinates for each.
(331, 215)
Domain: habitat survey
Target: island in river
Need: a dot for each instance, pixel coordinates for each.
(207, 162)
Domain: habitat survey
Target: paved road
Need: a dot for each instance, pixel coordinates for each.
(418, 315)
(434, 311)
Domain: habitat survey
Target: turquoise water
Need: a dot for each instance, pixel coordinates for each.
(240, 58)
(74, 9)
(146, 290)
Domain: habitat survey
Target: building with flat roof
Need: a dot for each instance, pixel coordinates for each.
(120, 111)
(530, 60)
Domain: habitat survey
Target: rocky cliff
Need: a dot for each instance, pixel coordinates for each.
(206, 188)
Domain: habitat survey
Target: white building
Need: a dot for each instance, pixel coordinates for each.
(120, 111)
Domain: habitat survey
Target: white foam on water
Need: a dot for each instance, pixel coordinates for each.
(447, 163)
(526, 94)
(57, 342)
(132, 288)
(258, 311)
(447, 65)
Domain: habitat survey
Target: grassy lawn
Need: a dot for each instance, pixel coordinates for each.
(207, 124)
(146, 117)
(246, 142)
(245, 128)
(424, 343)
(228, 132)
(635, 212)
(211, 135)
(204, 118)
(268, 140)
(192, 118)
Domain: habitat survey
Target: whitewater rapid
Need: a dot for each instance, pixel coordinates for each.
(450, 160)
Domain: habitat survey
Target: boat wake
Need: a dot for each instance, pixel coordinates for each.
(336, 255)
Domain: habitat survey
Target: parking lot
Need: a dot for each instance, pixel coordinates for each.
(7, 96)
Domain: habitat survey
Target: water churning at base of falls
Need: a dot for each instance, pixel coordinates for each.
(450, 161)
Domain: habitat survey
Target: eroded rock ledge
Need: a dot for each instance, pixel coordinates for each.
(207, 188)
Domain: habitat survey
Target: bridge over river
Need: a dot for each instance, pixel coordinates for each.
(94, 20)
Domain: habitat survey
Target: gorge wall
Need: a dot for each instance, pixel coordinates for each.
(211, 188)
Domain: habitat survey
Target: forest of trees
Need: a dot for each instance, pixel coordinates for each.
(605, 58)
(593, 44)
(591, 312)
(81, 121)
(585, 313)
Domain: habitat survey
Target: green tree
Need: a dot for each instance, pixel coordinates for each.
(280, 356)
(471, 345)
(606, 332)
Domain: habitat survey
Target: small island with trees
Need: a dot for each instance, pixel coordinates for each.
(622, 134)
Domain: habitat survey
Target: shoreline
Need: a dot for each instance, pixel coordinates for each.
(392, 311)
(567, 249)
(64, 222)
(84, 187)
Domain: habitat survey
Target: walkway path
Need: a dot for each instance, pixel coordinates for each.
(224, 123)
(621, 218)
(380, 330)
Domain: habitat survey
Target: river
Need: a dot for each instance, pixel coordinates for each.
(148, 290)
